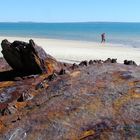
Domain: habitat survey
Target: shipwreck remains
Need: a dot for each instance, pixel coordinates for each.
(26, 59)
(95, 100)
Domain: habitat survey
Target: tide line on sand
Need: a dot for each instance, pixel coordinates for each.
(76, 51)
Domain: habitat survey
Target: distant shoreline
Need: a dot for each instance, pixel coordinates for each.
(71, 22)
(76, 51)
(64, 39)
(125, 33)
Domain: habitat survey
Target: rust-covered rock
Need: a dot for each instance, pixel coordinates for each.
(27, 58)
(21, 56)
(129, 62)
(96, 102)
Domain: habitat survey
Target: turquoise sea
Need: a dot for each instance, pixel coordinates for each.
(120, 33)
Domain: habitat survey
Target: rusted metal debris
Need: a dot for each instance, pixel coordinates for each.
(93, 100)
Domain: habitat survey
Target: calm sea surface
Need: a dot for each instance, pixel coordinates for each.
(120, 33)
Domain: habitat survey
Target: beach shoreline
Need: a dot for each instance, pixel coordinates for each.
(74, 51)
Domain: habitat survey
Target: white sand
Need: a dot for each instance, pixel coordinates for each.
(75, 51)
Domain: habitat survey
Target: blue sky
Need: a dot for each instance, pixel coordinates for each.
(70, 10)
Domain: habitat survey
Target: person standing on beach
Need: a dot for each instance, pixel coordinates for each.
(103, 38)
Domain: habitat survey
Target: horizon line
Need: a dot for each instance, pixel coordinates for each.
(71, 22)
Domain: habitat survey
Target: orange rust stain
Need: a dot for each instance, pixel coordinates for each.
(35, 93)
(46, 86)
(37, 60)
(100, 84)
(75, 74)
(73, 134)
(6, 84)
(117, 78)
(39, 79)
(136, 96)
(55, 114)
(1, 126)
(87, 134)
(43, 76)
(133, 91)
(134, 83)
(94, 107)
(50, 67)
(104, 135)
(121, 101)
(131, 83)
(20, 105)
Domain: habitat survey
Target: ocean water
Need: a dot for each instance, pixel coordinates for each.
(120, 33)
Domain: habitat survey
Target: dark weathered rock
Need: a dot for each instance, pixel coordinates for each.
(99, 101)
(51, 77)
(93, 102)
(11, 55)
(74, 66)
(62, 72)
(65, 65)
(91, 62)
(8, 110)
(25, 96)
(26, 59)
(4, 65)
(39, 86)
(18, 79)
(109, 60)
(21, 56)
(114, 60)
(129, 62)
(83, 63)
(97, 61)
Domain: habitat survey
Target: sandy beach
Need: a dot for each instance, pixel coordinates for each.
(76, 51)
